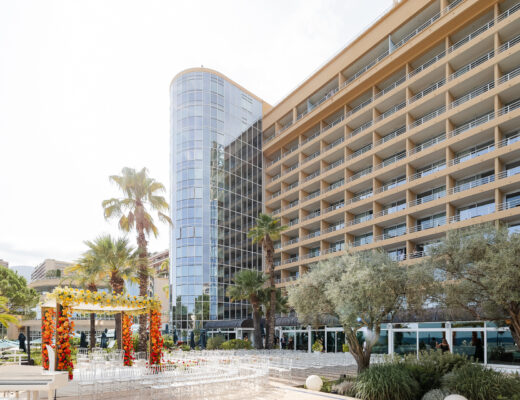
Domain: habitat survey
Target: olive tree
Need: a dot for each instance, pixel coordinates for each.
(363, 290)
(478, 270)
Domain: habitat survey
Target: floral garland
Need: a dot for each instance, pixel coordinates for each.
(65, 327)
(156, 339)
(72, 297)
(128, 344)
(47, 334)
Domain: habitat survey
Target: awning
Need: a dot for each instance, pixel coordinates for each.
(229, 324)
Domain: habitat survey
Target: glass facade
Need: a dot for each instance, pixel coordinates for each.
(216, 194)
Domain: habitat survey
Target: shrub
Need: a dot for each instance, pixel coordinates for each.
(431, 366)
(215, 342)
(236, 344)
(386, 382)
(185, 347)
(479, 383)
(168, 343)
(345, 387)
(345, 348)
(436, 394)
(317, 346)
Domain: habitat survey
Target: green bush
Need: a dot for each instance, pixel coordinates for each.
(429, 368)
(185, 347)
(135, 339)
(317, 346)
(168, 342)
(386, 382)
(436, 394)
(345, 348)
(479, 383)
(236, 344)
(215, 342)
(345, 386)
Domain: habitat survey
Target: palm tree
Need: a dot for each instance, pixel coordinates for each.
(265, 303)
(87, 273)
(141, 195)
(265, 232)
(5, 317)
(118, 260)
(248, 286)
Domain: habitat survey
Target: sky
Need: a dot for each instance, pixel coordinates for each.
(84, 92)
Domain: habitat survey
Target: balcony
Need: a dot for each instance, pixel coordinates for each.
(471, 95)
(475, 212)
(429, 143)
(391, 111)
(290, 260)
(391, 160)
(312, 215)
(428, 171)
(311, 235)
(359, 152)
(334, 165)
(427, 117)
(360, 174)
(472, 184)
(427, 91)
(362, 128)
(391, 135)
(472, 154)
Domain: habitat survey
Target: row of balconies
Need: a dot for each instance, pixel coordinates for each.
(411, 125)
(396, 158)
(490, 24)
(481, 209)
(311, 106)
(369, 215)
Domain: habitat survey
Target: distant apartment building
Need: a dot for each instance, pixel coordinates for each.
(4, 263)
(47, 275)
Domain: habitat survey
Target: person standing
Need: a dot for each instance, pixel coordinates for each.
(444, 346)
(21, 341)
(104, 339)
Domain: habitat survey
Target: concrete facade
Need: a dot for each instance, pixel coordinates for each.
(410, 131)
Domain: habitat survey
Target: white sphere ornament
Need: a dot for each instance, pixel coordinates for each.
(314, 382)
(455, 397)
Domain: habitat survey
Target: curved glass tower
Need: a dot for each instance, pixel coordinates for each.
(216, 189)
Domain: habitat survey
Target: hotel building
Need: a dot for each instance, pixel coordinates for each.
(409, 131)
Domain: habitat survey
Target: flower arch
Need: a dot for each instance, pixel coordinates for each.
(59, 305)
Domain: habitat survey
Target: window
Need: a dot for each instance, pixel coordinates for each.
(430, 195)
(473, 152)
(363, 239)
(474, 181)
(513, 200)
(394, 231)
(400, 180)
(476, 210)
(430, 169)
(394, 207)
(397, 254)
(431, 222)
(364, 216)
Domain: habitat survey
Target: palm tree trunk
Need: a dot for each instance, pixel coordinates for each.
(143, 286)
(92, 330)
(117, 284)
(92, 335)
(256, 324)
(269, 251)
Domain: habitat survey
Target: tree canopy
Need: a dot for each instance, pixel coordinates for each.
(478, 270)
(20, 298)
(363, 290)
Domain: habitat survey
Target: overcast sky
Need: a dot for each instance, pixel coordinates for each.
(84, 92)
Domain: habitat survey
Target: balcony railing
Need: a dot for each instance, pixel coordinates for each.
(290, 260)
(311, 215)
(390, 185)
(508, 172)
(291, 241)
(335, 185)
(513, 74)
(356, 221)
(293, 222)
(359, 152)
(426, 172)
(391, 135)
(334, 208)
(427, 117)
(334, 164)
(311, 176)
(311, 235)
(309, 138)
(360, 129)
(472, 184)
(471, 95)
(360, 174)
(391, 111)
(311, 255)
(311, 157)
(508, 204)
(426, 199)
(334, 144)
(390, 161)
(428, 225)
(427, 91)
(479, 212)
(312, 195)
(473, 154)
(333, 228)
(427, 144)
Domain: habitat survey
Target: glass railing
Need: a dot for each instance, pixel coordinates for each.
(472, 184)
(471, 155)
